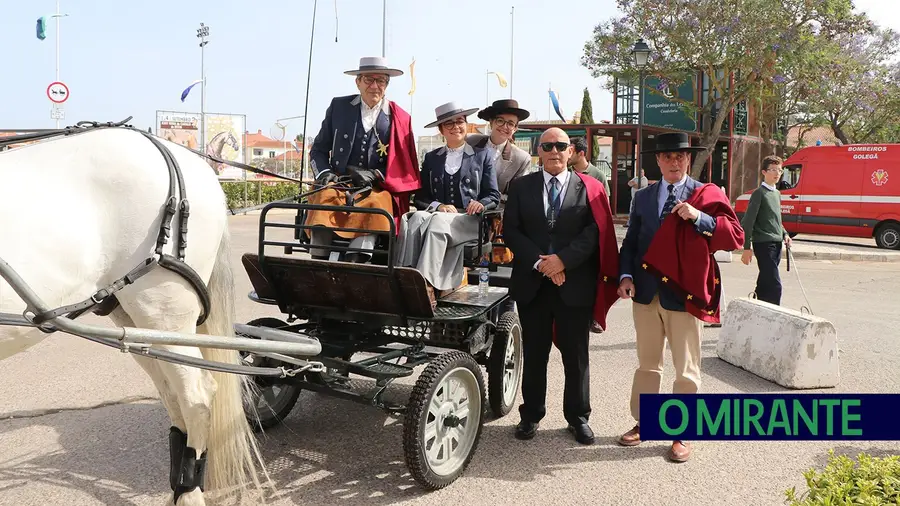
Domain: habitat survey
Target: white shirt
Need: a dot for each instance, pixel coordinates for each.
(563, 179)
(369, 114)
(498, 149)
(641, 183)
(454, 159)
(767, 185)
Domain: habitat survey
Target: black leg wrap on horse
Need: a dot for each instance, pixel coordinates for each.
(187, 472)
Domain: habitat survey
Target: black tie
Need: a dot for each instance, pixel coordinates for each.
(670, 203)
(553, 200)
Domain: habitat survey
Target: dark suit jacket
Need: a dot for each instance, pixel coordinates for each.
(575, 239)
(331, 148)
(477, 179)
(643, 226)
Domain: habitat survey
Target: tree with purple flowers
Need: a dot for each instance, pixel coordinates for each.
(855, 90)
(737, 43)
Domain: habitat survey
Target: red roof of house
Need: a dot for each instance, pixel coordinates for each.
(258, 140)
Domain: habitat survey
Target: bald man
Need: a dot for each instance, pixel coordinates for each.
(554, 238)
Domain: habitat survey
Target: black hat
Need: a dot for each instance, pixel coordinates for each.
(505, 106)
(669, 142)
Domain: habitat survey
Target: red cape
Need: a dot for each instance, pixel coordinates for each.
(402, 177)
(683, 259)
(608, 273)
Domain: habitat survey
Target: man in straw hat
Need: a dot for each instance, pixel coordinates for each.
(370, 139)
(668, 270)
(458, 184)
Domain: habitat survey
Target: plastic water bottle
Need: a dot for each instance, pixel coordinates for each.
(484, 280)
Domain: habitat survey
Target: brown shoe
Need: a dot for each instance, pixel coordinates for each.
(680, 451)
(632, 437)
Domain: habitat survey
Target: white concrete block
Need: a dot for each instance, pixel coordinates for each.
(723, 257)
(792, 349)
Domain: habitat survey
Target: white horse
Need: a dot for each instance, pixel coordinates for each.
(84, 210)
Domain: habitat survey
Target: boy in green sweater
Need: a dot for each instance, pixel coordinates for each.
(763, 228)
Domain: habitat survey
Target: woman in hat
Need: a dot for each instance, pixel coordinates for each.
(458, 184)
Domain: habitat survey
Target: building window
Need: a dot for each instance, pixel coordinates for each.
(271, 154)
(257, 152)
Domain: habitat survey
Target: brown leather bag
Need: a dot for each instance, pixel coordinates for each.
(374, 199)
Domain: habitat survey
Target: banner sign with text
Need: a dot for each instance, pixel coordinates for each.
(776, 417)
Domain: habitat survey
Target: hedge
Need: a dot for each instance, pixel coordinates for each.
(875, 481)
(258, 192)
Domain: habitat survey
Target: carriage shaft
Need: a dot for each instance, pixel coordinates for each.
(131, 336)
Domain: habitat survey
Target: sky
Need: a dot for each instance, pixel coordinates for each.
(132, 58)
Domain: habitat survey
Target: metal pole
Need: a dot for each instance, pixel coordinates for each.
(383, 26)
(487, 100)
(640, 132)
(512, 31)
(202, 33)
(308, 75)
(57, 50)
(203, 97)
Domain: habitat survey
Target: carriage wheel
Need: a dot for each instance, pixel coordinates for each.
(272, 400)
(505, 365)
(444, 419)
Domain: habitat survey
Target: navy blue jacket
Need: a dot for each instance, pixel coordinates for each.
(342, 134)
(643, 226)
(476, 179)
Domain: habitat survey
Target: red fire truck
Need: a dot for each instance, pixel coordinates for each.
(848, 191)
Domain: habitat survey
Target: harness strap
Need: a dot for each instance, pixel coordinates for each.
(187, 272)
(98, 297)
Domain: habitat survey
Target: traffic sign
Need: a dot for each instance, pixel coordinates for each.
(58, 92)
(57, 112)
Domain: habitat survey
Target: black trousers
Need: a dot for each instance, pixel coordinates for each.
(573, 325)
(768, 283)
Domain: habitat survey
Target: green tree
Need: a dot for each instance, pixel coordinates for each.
(587, 118)
(737, 43)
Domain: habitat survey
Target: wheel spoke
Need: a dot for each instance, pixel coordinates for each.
(458, 396)
(430, 431)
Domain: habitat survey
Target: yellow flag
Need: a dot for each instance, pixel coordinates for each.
(501, 79)
(412, 76)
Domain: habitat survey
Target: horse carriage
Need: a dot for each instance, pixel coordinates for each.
(386, 315)
(172, 302)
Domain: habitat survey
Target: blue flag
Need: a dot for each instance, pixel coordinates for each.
(555, 103)
(41, 28)
(187, 90)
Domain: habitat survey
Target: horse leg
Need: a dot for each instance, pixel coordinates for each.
(189, 390)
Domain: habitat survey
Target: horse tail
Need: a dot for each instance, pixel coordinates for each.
(233, 461)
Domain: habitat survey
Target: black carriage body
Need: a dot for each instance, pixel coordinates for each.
(371, 308)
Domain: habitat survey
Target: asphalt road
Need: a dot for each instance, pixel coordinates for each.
(80, 423)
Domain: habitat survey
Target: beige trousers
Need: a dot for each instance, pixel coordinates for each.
(652, 325)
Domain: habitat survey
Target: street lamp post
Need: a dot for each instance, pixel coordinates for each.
(202, 34)
(641, 53)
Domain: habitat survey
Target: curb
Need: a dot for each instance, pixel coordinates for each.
(834, 255)
(847, 257)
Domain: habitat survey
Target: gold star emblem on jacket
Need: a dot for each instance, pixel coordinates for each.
(382, 148)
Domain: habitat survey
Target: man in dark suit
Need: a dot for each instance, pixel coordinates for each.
(554, 238)
(659, 313)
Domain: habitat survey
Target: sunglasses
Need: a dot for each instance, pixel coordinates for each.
(560, 146)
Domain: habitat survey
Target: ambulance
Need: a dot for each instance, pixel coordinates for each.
(846, 191)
